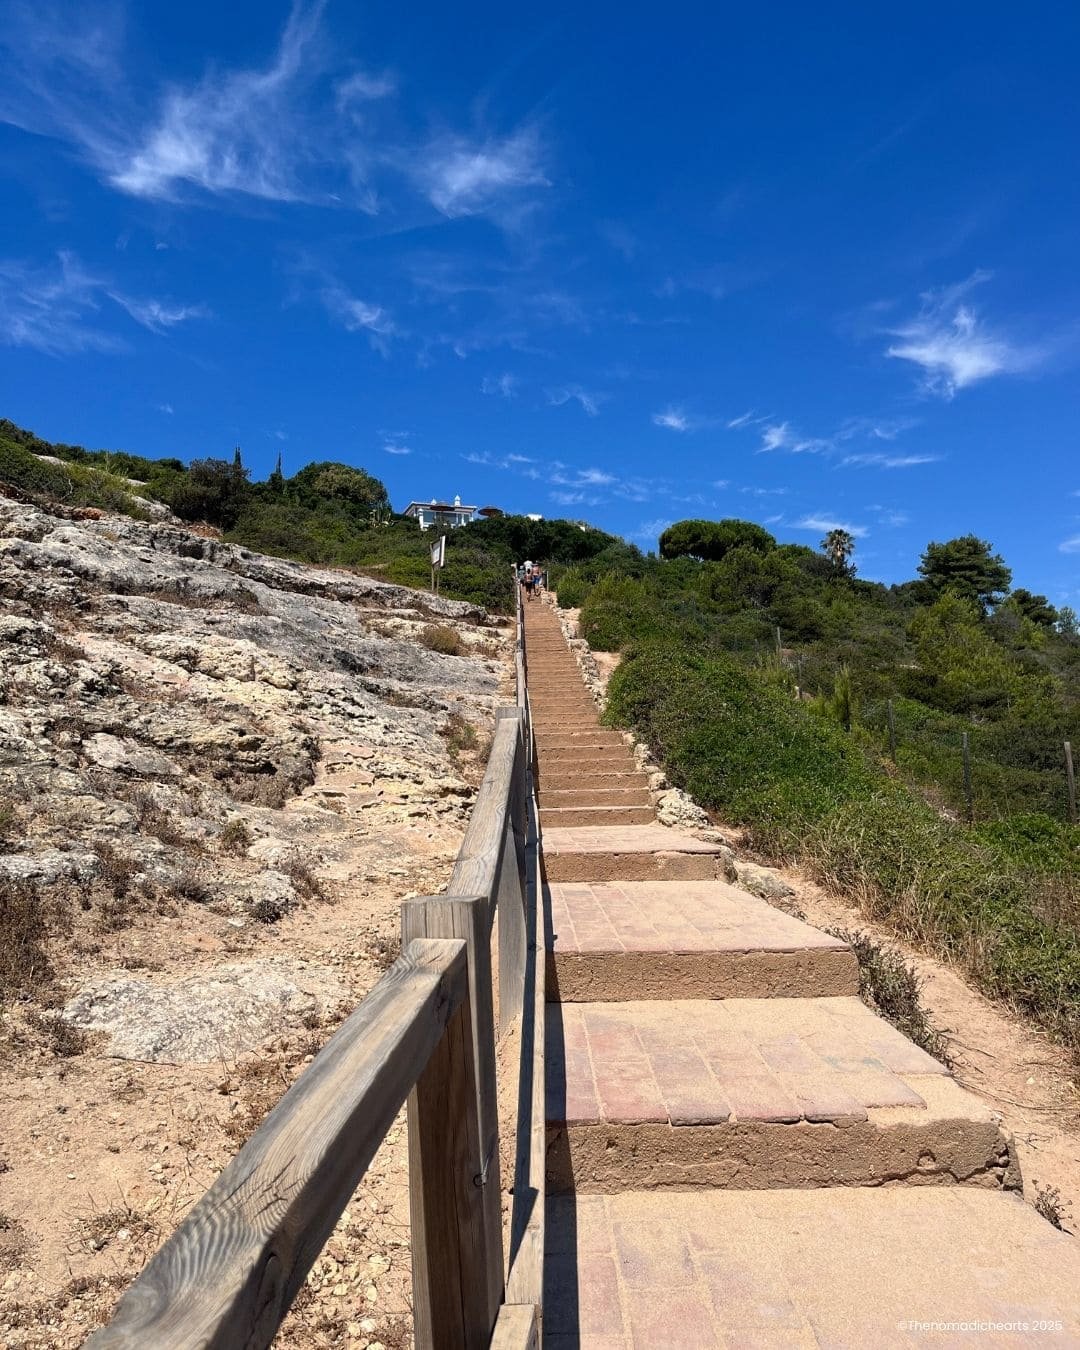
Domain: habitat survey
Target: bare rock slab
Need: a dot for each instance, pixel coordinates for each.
(203, 1017)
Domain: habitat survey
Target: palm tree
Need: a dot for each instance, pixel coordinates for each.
(839, 545)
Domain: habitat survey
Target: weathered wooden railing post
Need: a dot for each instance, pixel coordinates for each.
(454, 1187)
(511, 882)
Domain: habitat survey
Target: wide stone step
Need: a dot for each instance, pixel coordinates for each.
(583, 796)
(754, 1094)
(567, 723)
(580, 740)
(633, 940)
(841, 1268)
(586, 754)
(562, 816)
(561, 778)
(629, 853)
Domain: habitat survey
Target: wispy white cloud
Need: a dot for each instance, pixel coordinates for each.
(744, 420)
(53, 308)
(391, 449)
(782, 436)
(582, 477)
(356, 315)
(235, 131)
(589, 402)
(953, 346)
(881, 461)
(651, 530)
(166, 408)
(156, 315)
(1070, 545)
(824, 523)
(303, 126)
(566, 497)
(675, 419)
(505, 385)
(363, 87)
(463, 177)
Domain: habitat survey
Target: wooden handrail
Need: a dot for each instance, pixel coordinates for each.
(228, 1274)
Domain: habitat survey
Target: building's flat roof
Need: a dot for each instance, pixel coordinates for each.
(440, 506)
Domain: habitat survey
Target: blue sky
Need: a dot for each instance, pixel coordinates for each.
(805, 265)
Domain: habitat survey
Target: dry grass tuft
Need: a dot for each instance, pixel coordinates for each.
(890, 986)
(1049, 1203)
(24, 932)
(437, 637)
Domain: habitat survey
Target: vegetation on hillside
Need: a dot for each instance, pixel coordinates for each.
(761, 680)
(327, 513)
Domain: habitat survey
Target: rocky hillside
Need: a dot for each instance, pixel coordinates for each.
(219, 774)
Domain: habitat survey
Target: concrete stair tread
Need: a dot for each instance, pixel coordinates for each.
(843, 1268)
(624, 839)
(596, 796)
(674, 916)
(632, 940)
(754, 1094)
(695, 1062)
(559, 817)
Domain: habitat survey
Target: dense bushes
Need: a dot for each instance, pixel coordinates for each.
(73, 484)
(1001, 900)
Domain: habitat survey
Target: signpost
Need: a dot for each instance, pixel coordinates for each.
(438, 561)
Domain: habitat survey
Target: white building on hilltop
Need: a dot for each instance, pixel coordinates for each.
(444, 514)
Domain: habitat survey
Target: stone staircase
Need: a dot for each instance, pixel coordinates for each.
(734, 1139)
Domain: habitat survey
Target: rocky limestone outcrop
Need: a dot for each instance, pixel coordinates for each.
(186, 722)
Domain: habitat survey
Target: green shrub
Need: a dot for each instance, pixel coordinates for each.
(69, 484)
(572, 589)
(737, 742)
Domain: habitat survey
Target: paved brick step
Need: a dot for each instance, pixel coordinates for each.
(843, 1268)
(735, 1093)
(560, 778)
(562, 816)
(596, 738)
(633, 940)
(584, 720)
(584, 796)
(587, 714)
(600, 754)
(628, 853)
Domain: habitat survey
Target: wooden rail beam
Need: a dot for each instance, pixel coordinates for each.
(227, 1276)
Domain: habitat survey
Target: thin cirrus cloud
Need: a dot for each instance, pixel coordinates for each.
(590, 403)
(955, 348)
(505, 385)
(156, 315)
(304, 127)
(1070, 545)
(57, 308)
(356, 315)
(881, 461)
(782, 436)
(461, 177)
(825, 522)
(674, 419)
